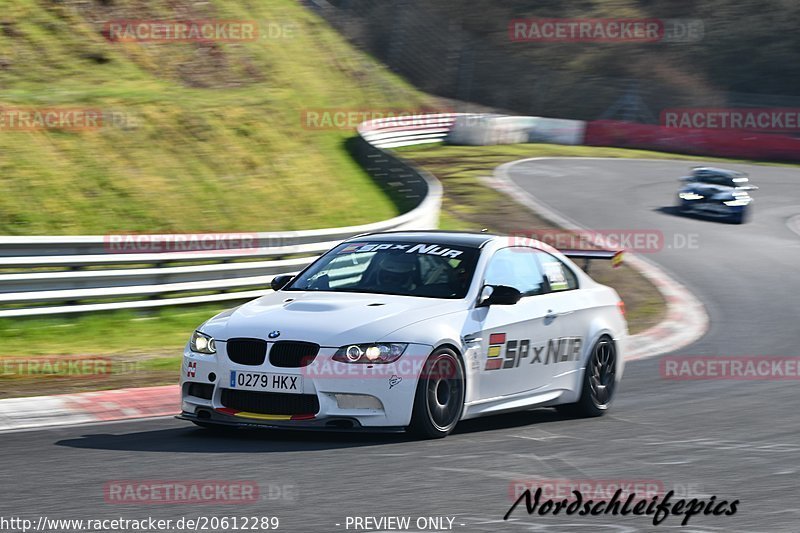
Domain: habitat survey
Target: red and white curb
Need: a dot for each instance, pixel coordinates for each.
(88, 407)
(686, 319)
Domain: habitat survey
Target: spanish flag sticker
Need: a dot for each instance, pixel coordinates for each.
(496, 342)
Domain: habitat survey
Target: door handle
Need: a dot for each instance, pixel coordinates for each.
(549, 317)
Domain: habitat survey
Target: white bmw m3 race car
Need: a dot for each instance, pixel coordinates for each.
(411, 330)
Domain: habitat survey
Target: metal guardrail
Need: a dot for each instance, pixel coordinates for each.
(92, 271)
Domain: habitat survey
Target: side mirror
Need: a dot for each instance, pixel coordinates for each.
(279, 282)
(498, 295)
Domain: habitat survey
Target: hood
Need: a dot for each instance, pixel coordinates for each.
(327, 318)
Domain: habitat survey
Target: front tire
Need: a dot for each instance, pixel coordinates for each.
(740, 217)
(599, 382)
(439, 400)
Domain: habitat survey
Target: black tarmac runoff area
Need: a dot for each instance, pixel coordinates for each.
(720, 439)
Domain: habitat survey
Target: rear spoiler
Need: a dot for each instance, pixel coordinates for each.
(615, 256)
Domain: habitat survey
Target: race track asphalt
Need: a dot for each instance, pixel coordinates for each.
(732, 439)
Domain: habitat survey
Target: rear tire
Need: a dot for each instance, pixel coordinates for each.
(439, 400)
(740, 217)
(599, 382)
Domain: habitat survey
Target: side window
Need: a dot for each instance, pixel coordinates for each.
(559, 276)
(516, 267)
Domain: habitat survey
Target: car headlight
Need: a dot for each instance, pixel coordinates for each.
(737, 202)
(373, 353)
(689, 196)
(202, 343)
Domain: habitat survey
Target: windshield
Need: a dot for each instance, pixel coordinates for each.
(727, 179)
(717, 179)
(401, 268)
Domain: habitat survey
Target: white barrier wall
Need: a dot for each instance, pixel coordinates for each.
(557, 131)
(484, 130)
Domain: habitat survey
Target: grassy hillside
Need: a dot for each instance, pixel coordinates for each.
(208, 136)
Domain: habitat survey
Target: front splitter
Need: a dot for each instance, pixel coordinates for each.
(329, 424)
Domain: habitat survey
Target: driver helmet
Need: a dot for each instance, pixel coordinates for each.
(397, 270)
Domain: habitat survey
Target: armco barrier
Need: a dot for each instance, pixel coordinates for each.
(155, 279)
(407, 131)
(704, 142)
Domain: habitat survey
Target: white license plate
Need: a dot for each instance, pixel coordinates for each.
(262, 381)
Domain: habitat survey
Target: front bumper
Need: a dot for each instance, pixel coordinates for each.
(349, 396)
(711, 208)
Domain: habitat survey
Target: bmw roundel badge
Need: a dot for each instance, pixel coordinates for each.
(274, 334)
